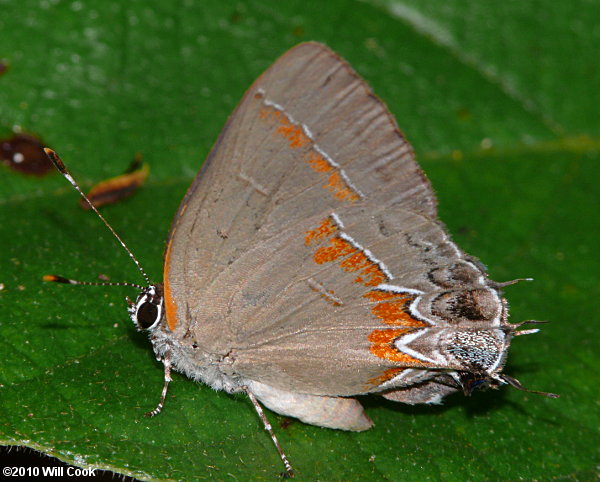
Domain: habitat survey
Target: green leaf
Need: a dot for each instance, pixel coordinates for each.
(500, 101)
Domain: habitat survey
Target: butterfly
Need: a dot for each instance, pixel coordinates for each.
(306, 264)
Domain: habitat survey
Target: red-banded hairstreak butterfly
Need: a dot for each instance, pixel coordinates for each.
(306, 264)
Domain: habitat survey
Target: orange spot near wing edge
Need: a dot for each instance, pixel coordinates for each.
(338, 187)
(324, 230)
(382, 346)
(393, 308)
(385, 376)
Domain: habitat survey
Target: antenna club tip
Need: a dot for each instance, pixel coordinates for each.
(53, 156)
(56, 279)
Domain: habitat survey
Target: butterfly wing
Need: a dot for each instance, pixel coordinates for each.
(308, 242)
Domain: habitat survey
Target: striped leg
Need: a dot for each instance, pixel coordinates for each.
(166, 360)
(289, 472)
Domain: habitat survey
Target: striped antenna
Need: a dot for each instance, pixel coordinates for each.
(59, 279)
(531, 331)
(513, 382)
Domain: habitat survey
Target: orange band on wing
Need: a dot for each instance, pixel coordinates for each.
(382, 346)
(371, 273)
(318, 162)
(338, 248)
(299, 137)
(170, 307)
(293, 134)
(393, 308)
(324, 230)
(339, 189)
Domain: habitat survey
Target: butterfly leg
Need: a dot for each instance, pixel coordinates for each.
(166, 360)
(339, 413)
(288, 468)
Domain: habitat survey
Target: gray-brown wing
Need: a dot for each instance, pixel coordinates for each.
(308, 136)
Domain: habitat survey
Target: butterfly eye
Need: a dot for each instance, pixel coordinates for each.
(146, 312)
(147, 315)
